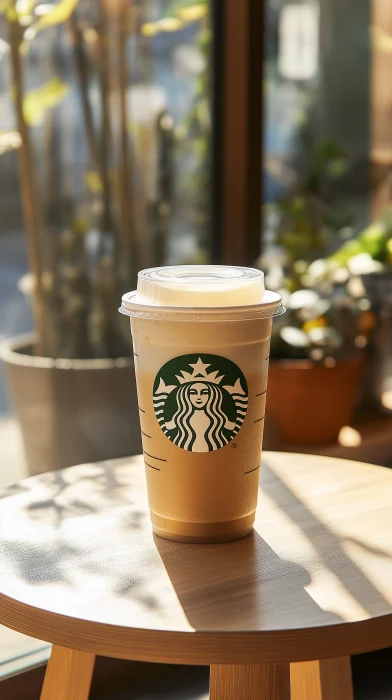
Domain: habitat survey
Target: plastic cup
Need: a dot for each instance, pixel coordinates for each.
(201, 338)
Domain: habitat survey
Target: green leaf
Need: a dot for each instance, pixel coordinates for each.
(60, 13)
(193, 13)
(94, 182)
(347, 251)
(177, 5)
(370, 241)
(38, 101)
(4, 6)
(7, 8)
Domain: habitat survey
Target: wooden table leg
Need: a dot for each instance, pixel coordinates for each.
(329, 679)
(261, 682)
(68, 675)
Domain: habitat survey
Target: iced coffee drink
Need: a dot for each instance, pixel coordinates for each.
(201, 337)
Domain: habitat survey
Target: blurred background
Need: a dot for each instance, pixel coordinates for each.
(136, 133)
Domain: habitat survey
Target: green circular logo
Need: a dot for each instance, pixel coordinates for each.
(200, 401)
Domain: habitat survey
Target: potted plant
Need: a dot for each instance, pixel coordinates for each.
(72, 383)
(368, 257)
(317, 346)
(317, 356)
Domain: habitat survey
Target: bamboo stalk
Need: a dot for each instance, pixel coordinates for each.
(109, 268)
(27, 183)
(105, 135)
(81, 65)
(126, 185)
(139, 15)
(50, 243)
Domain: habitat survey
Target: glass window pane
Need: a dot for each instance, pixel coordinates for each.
(327, 191)
(104, 159)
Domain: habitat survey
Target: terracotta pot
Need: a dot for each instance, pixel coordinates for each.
(309, 403)
(71, 411)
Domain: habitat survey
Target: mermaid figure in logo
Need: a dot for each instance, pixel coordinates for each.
(198, 422)
(199, 418)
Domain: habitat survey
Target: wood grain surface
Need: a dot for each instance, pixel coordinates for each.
(68, 675)
(80, 568)
(260, 682)
(329, 679)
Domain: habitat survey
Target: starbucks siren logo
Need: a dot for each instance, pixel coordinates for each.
(200, 401)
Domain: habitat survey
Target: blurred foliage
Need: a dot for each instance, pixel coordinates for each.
(80, 251)
(328, 319)
(85, 251)
(60, 13)
(328, 315)
(307, 220)
(369, 247)
(37, 102)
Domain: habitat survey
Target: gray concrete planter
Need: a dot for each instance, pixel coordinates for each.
(71, 411)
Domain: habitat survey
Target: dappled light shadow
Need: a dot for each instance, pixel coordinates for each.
(39, 564)
(107, 475)
(135, 589)
(329, 545)
(139, 584)
(66, 495)
(84, 528)
(12, 490)
(59, 512)
(133, 520)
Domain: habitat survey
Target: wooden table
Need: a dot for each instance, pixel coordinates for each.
(312, 585)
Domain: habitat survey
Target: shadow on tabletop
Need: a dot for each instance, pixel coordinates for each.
(329, 545)
(247, 586)
(269, 592)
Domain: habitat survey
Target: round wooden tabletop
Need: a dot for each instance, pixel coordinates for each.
(80, 568)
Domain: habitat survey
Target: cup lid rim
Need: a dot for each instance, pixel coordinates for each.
(269, 307)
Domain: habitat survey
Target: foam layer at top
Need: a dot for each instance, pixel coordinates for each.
(200, 285)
